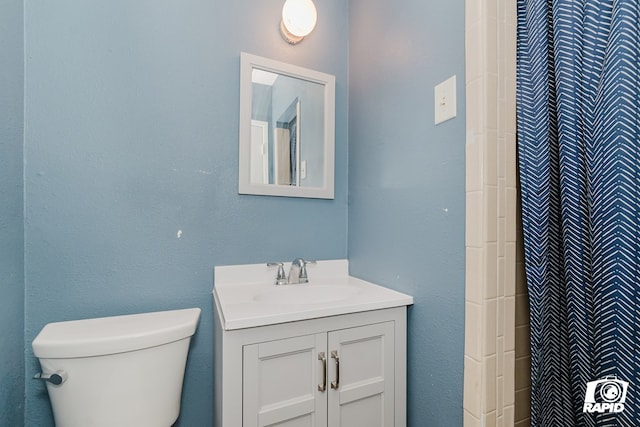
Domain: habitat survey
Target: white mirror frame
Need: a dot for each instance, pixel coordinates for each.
(247, 63)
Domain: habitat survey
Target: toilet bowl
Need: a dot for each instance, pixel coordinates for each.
(124, 371)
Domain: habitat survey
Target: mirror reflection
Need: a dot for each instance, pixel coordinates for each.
(286, 129)
(287, 135)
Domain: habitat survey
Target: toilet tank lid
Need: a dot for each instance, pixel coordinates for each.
(115, 334)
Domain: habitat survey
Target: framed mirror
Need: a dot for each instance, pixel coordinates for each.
(287, 129)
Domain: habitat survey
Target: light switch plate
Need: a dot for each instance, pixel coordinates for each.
(445, 100)
(303, 169)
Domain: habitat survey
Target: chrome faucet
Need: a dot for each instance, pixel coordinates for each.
(297, 273)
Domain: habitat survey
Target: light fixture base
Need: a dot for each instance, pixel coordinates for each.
(287, 36)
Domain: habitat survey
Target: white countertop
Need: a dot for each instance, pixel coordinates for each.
(246, 296)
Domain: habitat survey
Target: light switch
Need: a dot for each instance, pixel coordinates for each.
(303, 169)
(445, 100)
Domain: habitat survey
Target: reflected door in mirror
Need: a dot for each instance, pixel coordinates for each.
(259, 152)
(297, 128)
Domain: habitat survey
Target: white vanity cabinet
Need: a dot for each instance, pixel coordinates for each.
(338, 378)
(347, 371)
(328, 353)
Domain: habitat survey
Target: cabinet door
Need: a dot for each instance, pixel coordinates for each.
(280, 383)
(364, 372)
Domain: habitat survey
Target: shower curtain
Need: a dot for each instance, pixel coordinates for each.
(578, 109)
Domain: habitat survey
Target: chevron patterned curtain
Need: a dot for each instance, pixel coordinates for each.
(578, 107)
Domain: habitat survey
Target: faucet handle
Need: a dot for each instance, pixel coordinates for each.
(303, 271)
(281, 277)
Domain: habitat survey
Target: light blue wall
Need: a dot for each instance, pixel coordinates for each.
(132, 136)
(406, 185)
(11, 215)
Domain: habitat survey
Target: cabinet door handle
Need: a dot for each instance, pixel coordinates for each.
(335, 384)
(322, 387)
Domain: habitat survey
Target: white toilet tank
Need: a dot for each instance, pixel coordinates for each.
(124, 371)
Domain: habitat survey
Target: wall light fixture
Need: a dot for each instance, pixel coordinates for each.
(298, 20)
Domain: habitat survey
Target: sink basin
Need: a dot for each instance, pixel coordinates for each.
(245, 296)
(305, 294)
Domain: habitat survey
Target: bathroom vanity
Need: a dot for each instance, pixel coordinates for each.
(331, 352)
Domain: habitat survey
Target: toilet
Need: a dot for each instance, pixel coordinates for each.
(124, 371)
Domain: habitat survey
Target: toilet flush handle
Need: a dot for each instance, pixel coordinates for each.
(56, 378)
